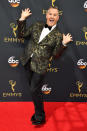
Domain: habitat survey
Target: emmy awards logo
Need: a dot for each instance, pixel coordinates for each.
(14, 27)
(53, 2)
(49, 65)
(79, 84)
(12, 83)
(85, 31)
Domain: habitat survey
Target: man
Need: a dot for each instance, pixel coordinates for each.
(45, 41)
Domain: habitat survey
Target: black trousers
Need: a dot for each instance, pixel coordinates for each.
(35, 83)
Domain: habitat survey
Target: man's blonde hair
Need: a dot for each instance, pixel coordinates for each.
(54, 7)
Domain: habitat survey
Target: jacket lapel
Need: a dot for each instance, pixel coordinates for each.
(38, 31)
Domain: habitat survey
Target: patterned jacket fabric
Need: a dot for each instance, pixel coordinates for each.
(43, 51)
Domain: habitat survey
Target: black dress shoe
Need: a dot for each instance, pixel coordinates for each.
(38, 122)
(33, 118)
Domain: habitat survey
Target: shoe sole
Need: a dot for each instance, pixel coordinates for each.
(39, 123)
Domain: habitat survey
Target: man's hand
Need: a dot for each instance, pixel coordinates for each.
(25, 13)
(51, 58)
(67, 38)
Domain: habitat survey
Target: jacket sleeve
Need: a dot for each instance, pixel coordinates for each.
(22, 31)
(59, 48)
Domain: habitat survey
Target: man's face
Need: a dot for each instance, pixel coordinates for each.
(52, 16)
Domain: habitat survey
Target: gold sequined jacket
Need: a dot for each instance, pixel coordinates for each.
(43, 51)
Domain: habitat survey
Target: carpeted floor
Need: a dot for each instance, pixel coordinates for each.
(60, 116)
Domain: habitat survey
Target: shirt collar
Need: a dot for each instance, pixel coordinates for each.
(53, 27)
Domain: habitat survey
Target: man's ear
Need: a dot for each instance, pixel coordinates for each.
(58, 17)
(46, 14)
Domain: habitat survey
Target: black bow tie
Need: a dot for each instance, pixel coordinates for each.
(49, 27)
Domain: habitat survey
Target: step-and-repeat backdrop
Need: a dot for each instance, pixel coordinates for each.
(66, 78)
